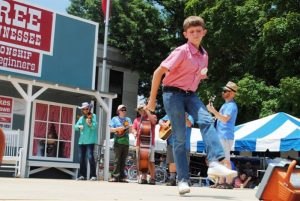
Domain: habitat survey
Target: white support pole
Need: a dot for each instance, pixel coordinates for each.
(107, 143)
(98, 97)
(99, 143)
(28, 97)
(102, 102)
(105, 45)
(26, 130)
(106, 108)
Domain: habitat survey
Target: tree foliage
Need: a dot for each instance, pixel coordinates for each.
(252, 42)
(290, 95)
(255, 43)
(136, 28)
(254, 96)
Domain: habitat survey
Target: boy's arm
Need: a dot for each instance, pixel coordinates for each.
(157, 76)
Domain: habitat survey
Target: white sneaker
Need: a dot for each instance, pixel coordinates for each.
(218, 169)
(80, 178)
(93, 179)
(183, 187)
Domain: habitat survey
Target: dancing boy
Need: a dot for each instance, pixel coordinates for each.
(184, 68)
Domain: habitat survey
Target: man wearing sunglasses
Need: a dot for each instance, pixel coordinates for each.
(119, 126)
(226, 118)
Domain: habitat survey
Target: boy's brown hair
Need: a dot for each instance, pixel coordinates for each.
(192, 21)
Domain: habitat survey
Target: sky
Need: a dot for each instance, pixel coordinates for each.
(55, 5)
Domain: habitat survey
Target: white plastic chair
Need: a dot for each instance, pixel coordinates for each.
(13, 152)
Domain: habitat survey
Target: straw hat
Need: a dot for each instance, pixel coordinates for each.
(231, 86)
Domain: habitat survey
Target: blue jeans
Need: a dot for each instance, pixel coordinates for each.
(176, 104)
(89, 150)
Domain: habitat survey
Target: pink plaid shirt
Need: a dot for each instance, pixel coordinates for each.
(187, 67)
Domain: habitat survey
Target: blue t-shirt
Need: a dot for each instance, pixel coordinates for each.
(226, 130)
(118, 122)
(170, 140)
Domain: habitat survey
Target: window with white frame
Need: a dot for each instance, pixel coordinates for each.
(52, 130)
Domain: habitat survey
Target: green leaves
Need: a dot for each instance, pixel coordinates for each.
(256, 43)
(264, 100)
(290, 96)
(252, 42)
(135, 27)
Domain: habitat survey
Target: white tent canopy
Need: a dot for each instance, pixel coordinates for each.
(277, 132)
(161, 145)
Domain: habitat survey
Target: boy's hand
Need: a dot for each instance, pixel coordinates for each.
(151, 105)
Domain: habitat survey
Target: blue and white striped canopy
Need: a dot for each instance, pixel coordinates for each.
(277, 132)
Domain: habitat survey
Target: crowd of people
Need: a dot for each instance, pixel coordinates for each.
(121, 126)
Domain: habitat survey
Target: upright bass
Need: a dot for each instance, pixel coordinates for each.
(145, 146)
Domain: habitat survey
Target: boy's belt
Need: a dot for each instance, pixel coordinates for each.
(175, 89)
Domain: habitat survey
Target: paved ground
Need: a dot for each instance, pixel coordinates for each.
(53, 189)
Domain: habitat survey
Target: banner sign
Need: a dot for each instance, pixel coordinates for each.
(6, 114)
(47, 46)
(19, 60)
(26, 26)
